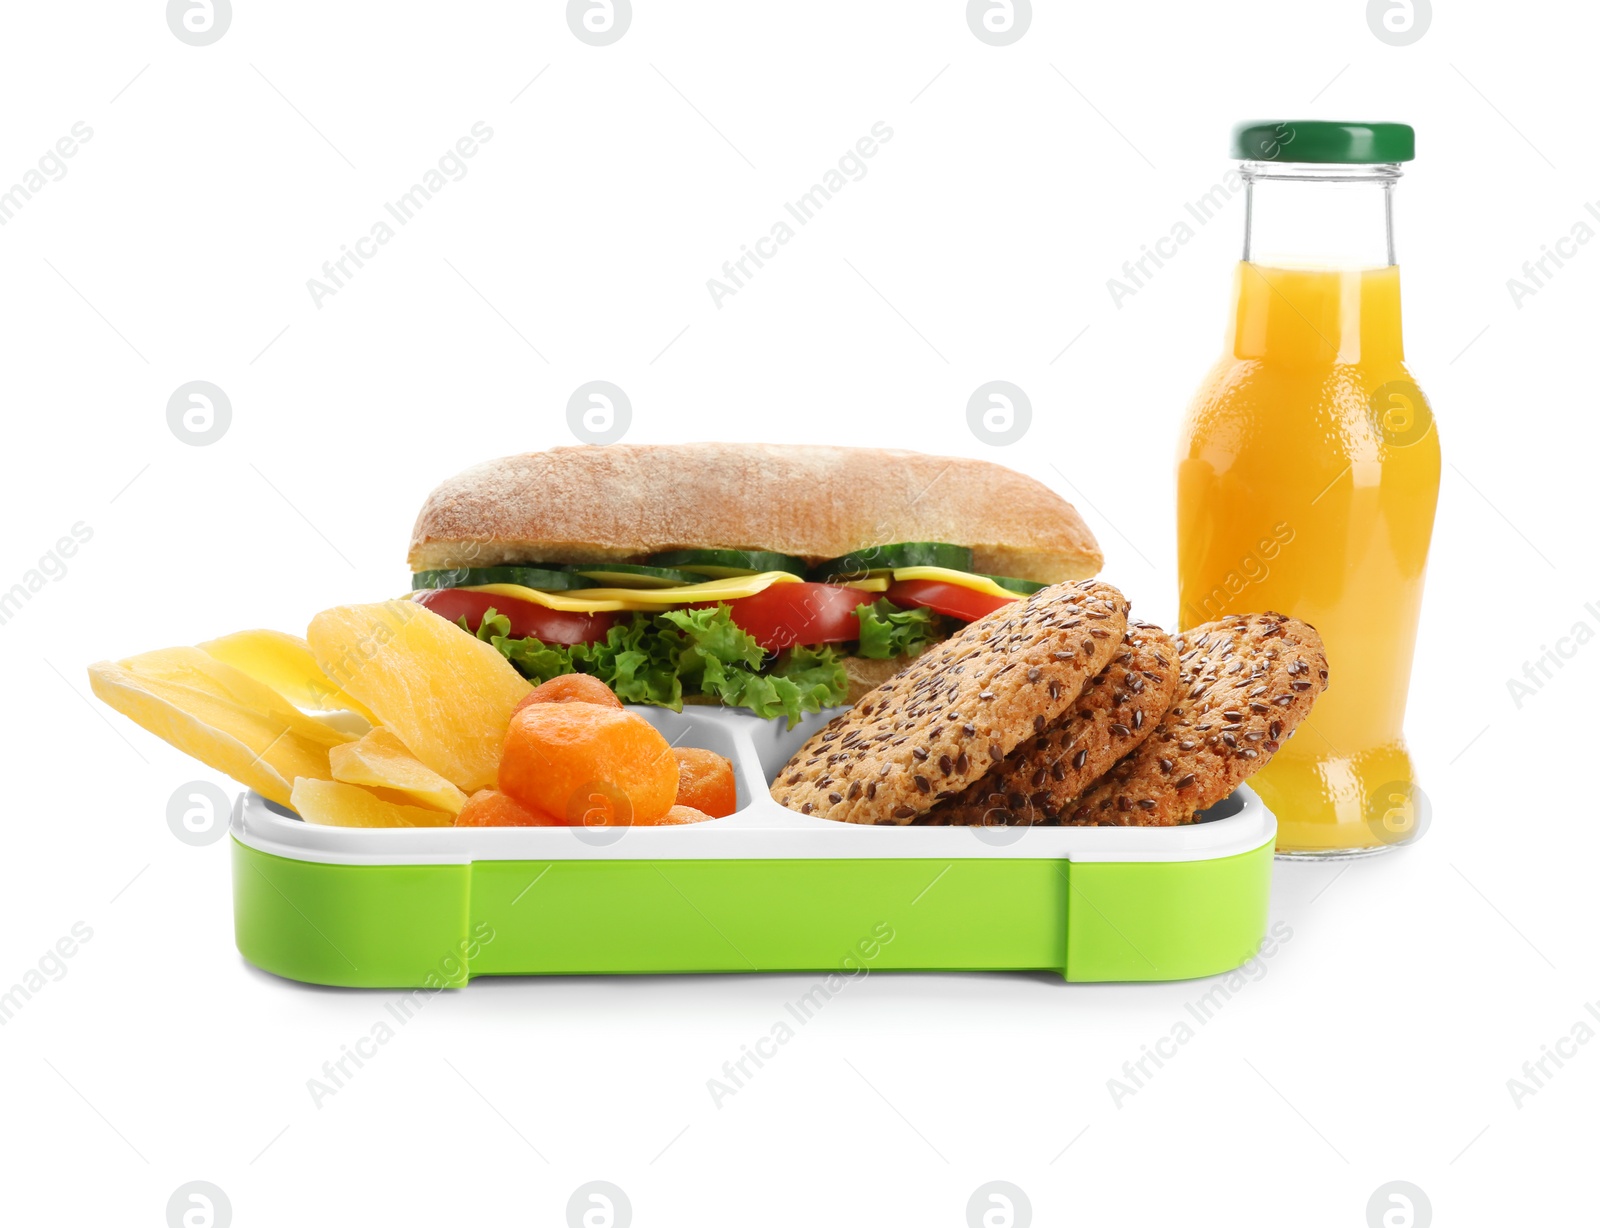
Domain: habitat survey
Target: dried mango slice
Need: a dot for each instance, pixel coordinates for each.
(380, 760)
(224, 687)
(446, 694)
(333, 803)
(284, 663)
(252, 749)
(351, 724)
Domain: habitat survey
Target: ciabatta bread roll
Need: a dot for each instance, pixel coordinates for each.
(617, 502)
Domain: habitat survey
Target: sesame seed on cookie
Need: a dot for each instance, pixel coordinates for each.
(1118, 710)
(1245, 682)
(958, 710)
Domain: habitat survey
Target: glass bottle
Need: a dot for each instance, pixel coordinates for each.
(1308, 471)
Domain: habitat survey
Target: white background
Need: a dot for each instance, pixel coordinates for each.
(1379, 1041)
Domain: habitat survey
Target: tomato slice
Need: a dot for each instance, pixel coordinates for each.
(549, 626)
(944, 598)
(804, 613)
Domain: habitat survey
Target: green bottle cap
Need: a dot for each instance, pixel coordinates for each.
(1321, 140)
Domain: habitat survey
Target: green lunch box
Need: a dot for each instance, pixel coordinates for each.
(764, 890)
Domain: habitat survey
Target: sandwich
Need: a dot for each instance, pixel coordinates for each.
(776, 579)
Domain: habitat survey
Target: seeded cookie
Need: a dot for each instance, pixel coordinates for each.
(1113, 715)
(958, 710)
(1245, 682)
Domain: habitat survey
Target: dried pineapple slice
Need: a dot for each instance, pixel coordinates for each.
(380, 760)
(333, 803)
(284, 663)
(446, 694)
(253, 749)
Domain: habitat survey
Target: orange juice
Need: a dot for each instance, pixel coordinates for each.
(1308, 472)
(1297, 494)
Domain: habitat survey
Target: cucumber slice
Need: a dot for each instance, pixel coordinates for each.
(724, 563)
(635, 575)
(549, 579)
(877, 560)
(1011, 583)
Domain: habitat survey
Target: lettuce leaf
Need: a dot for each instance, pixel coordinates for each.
(534, 660)
(634, 661)
(817, 675)
(889, 631)
(658, 658)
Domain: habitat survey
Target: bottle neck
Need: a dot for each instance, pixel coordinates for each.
(1319, 215)
(1316, 317)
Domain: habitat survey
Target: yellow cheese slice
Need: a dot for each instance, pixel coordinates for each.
(601, 600)
(872, 584)
(566, 602)
(966, 579)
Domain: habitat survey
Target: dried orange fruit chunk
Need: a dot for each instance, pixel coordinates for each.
(446, 694)
(492, 808)
(588, 764)
(380, 760)
(572, 688)
(332, 803)
(284, 663)
(705, 781)
(251, 747)
(680, 814)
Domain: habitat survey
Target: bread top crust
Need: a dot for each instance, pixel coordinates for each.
(586, 504)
